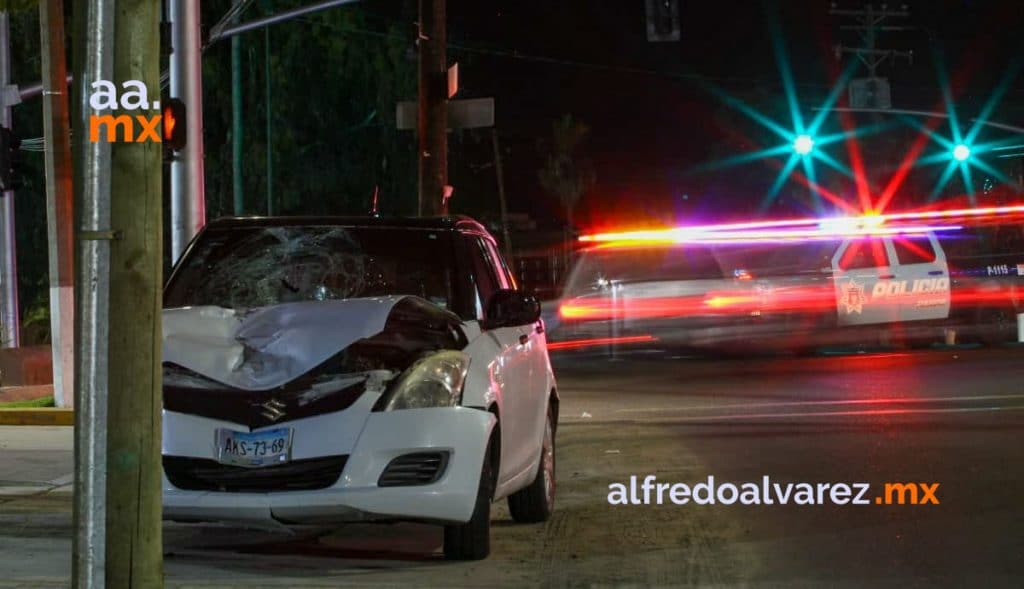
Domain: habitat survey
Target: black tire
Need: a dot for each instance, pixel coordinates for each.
(472, 540)
(536, 502)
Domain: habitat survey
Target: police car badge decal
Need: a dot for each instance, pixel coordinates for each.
(853, 297)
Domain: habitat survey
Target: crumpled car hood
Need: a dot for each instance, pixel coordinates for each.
(259, 349)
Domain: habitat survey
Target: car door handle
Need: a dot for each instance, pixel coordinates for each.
(936, 273)
(886, 276)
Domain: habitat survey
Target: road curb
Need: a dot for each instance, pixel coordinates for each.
(37, 416)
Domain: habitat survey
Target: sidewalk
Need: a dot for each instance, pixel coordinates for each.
(35, 460)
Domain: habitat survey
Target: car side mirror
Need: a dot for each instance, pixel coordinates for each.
(509, 308)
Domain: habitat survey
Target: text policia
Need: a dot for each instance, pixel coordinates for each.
(650, 492)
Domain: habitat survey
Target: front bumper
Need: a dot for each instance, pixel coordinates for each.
(371, 442)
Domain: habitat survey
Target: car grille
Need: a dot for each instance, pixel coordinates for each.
(200, 474)
(257, 409)
(421, 468)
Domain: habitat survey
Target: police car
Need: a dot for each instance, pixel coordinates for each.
(718, 292)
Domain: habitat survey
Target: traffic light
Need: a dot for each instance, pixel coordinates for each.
(173, 124)
(9, 145)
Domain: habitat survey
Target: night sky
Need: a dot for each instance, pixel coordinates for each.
(652, 115)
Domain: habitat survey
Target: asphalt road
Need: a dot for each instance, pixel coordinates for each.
(947, 417)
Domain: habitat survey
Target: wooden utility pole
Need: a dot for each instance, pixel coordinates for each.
(60, 222)
(134, 556)
(433, 108)
(503, 204)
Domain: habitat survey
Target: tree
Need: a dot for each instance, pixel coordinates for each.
(333, 138)
(566, 174)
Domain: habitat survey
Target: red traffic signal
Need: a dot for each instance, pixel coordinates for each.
(172, 121)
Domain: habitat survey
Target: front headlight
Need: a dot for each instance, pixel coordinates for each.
(434, 381)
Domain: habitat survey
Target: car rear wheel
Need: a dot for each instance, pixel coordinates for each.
(536, 502)
(472, 540)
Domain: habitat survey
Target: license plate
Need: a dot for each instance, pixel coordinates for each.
(254, 449)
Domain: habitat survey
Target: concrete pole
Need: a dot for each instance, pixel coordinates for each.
(9, 317)
(188, 196)
(59, 214)
(433, 108)
(93, 55)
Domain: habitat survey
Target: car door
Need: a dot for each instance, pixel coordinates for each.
(864, 282)
(534, 343)
(511, 371)
(923, 275)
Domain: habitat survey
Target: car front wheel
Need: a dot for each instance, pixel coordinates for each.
(472, 540)
(536, 502)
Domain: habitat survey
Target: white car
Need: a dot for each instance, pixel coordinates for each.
(321, 370)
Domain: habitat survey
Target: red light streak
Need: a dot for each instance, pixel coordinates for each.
(683, 235)
(805, 228)
(600, 341)
(597, 309)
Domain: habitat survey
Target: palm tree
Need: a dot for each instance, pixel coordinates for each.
(566, 174)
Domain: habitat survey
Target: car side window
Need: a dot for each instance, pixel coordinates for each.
(913, 251)
(484, 275)
(504, 275)
(864, 253)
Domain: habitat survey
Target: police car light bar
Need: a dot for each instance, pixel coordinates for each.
(787, 229)
(688, 235)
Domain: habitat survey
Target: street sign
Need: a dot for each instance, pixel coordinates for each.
(471, 113)
(662, 20)
(870, 93)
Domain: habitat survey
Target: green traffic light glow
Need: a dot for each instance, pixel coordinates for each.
(961, 152)
(803, 144)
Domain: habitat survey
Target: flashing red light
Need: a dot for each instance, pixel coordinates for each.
(871, 224)
(600, 341)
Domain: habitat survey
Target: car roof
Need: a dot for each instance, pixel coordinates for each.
(443, 223)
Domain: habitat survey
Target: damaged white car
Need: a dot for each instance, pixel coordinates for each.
(336, 370)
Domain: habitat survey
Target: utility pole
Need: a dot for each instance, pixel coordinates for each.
(188, 200)
(134, 555)
(93, 53)
(871, 92)
(9, 318)
(269, 109)
(237, 125)
(59, 214)
(500, 175)
(433, 108)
